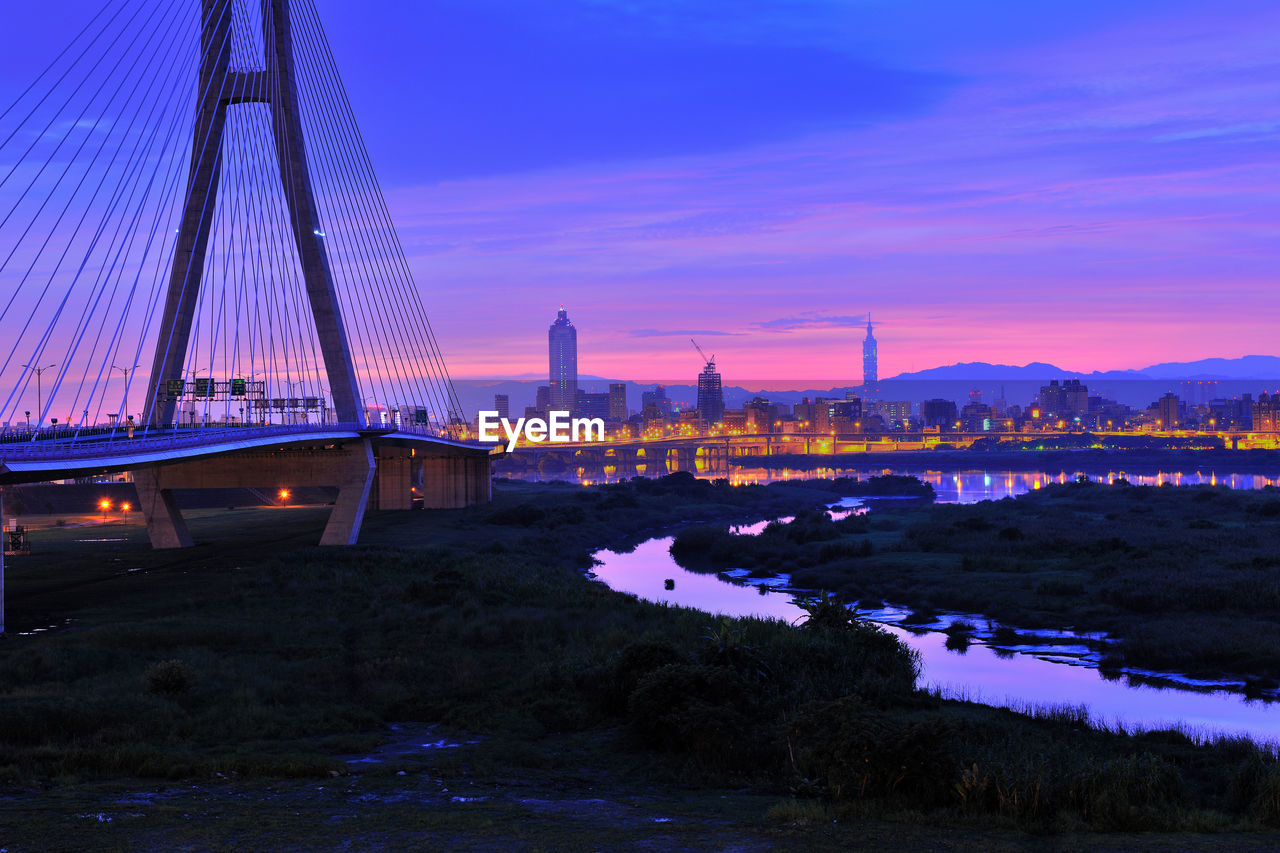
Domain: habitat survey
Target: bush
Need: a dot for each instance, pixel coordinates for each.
(1255, 788)
(169, 678)
(852, 752)
(694, 543)
(520, 515)
(633, 663)
(693, 709)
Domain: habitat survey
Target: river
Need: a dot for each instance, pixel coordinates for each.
(1056, 670)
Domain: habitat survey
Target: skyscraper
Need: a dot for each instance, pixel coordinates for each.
(562, 351)
(618, 401)
(710, 394)
(870, 367)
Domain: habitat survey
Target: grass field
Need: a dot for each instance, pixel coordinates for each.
(456, 682)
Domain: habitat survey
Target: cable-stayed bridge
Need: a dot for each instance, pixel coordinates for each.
(199, 278)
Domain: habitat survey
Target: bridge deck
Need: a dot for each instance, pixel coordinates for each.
(50, 454)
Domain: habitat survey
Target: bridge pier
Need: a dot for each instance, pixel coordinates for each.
(350, 466)
(357, 473)
(450, 482)
(165, 524)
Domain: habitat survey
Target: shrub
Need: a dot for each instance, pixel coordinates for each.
(696, 542)
(692, 709)
(520, 515)
(638, 659)
(854, 752)
(169, 678)
(1255, 788)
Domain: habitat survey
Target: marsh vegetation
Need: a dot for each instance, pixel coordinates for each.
(261, 658)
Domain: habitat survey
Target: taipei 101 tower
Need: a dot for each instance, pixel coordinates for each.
(870, 369)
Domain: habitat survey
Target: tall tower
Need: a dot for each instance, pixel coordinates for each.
(562, 353)
(710, 394)
(870, 366)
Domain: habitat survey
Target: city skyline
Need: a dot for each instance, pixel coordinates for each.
(1089, 186)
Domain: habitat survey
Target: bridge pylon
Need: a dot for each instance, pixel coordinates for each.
(221, 87)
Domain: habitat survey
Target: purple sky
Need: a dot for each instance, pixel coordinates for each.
(1090, 184)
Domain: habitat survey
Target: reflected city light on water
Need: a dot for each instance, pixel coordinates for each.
(968, 486)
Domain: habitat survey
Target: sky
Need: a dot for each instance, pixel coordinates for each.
(1090, 184)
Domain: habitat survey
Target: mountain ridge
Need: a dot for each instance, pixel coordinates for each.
(1244, 367)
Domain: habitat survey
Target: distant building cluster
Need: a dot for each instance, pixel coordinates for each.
(1066, 405)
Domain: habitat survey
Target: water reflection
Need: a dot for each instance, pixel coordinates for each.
(982, 485)
(1019, 676)
(969, 486)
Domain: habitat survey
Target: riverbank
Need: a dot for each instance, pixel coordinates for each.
(193, 695)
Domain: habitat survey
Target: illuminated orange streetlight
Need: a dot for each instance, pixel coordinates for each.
(104, 505)
(284, 496)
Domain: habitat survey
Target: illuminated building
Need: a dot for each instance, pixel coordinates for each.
(1168, 408)
(1064, 401)
(618, 401)
(938, 413)
(710, 394)
(870, 363)
(758, 415)
(562, 351)
(850, 407)
(1234, 413)
(502, 405)
(735, 421)
(592, 405)
(976, 417)
(893, 411)
(656, 399)
(1266, 413)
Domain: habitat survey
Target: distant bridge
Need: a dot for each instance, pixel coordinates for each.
(684, 453)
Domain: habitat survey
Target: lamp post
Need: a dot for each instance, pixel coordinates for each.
(195, 381)
(126, 371)
(301, 384)
(39, 371)
(248, 391)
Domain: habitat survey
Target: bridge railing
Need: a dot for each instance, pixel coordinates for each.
(59, 442)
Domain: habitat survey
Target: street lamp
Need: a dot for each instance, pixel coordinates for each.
(284, 497)
(126, 371)
(39, 371)
(249, 398)
(104, 505)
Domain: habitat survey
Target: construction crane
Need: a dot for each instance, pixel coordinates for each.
(711, 362)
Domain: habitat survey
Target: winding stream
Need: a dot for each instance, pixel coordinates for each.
(1058, 669)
